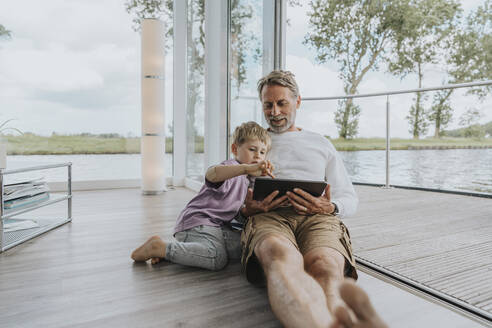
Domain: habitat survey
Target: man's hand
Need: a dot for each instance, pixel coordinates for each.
(260, 169)
(252, 207)
(306, 204)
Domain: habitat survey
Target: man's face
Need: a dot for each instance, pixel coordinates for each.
(279, 107)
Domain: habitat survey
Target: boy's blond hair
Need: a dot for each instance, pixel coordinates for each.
(251, 131)
(279, 77)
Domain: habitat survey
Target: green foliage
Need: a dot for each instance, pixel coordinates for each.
(417, 119)
(154, 9)
(401, 144)
(488, 128)
(86, 143)
(441, 111)
(427, 26)
(467, 58)
(241, 42)
(358, 35)
(4, 33)
(347, 121)
(470, 117)
(83, 143)
(471, 49)
(473, 130)
(469, 121)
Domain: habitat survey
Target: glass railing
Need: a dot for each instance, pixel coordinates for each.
(458, 165)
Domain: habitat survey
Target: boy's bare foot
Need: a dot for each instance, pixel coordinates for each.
(155, 260)
(360, 305)
(154, 247)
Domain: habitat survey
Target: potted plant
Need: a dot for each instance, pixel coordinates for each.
(3, 143)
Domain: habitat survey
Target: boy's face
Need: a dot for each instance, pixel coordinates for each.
(252, 151)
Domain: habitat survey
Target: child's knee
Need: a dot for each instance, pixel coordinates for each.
(219, 260)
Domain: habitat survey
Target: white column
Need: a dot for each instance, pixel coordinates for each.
(280, 33)
(268, 36)
(153, 140)
(179, 94)
(216, 82)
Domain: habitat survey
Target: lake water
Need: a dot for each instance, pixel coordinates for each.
(451, 169)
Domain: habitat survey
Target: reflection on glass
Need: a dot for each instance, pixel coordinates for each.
(246, 61)
(195, 117)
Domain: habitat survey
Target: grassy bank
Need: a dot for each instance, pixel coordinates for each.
(396, 144)
(29, 144)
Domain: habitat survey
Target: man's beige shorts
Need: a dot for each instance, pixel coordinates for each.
(305, 233)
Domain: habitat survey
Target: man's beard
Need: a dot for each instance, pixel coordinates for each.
(289, 121)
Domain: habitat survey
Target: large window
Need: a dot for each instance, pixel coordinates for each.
(195, 117)
(247, 60)
(70, 77)
(326, 68)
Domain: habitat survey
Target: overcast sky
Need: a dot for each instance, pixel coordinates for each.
(73, 66)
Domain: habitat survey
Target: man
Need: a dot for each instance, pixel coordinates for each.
(302, 250)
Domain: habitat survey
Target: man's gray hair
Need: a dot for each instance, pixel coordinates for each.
(282, 78)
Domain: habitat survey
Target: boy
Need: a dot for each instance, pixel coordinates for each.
(203, 233)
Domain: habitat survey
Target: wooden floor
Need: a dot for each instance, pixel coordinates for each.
(80, 274)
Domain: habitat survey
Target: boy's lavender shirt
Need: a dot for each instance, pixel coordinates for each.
(215, 203)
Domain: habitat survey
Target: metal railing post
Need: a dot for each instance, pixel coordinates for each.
(69, 191)
(387, 185)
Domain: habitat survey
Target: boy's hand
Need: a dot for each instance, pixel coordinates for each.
(260, 169)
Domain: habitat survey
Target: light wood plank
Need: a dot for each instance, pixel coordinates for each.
(441, 240)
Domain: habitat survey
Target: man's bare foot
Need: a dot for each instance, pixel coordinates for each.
(154, 247)
(360, 305)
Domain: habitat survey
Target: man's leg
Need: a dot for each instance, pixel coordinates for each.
(295, 297)
(358, 302)
(326, 266)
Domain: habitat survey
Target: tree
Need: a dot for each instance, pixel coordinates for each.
(241, 42)
(471, 57)
(468, 59)
(441, 111)
(425, 29)
(469, 120)
(4, 33)
(358, 35)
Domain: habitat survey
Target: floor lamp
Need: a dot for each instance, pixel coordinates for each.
(153, 140)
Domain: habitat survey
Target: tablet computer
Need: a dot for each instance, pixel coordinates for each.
(265, 186)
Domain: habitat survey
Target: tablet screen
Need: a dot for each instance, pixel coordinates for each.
(265, 186)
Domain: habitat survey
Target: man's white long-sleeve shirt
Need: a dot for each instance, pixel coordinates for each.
(306, 155)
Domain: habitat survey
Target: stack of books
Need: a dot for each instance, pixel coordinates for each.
(26, 193)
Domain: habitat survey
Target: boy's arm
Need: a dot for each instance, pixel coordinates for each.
(221, 173)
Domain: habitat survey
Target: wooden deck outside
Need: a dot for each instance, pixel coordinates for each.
(80, 275)
(443, 241)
